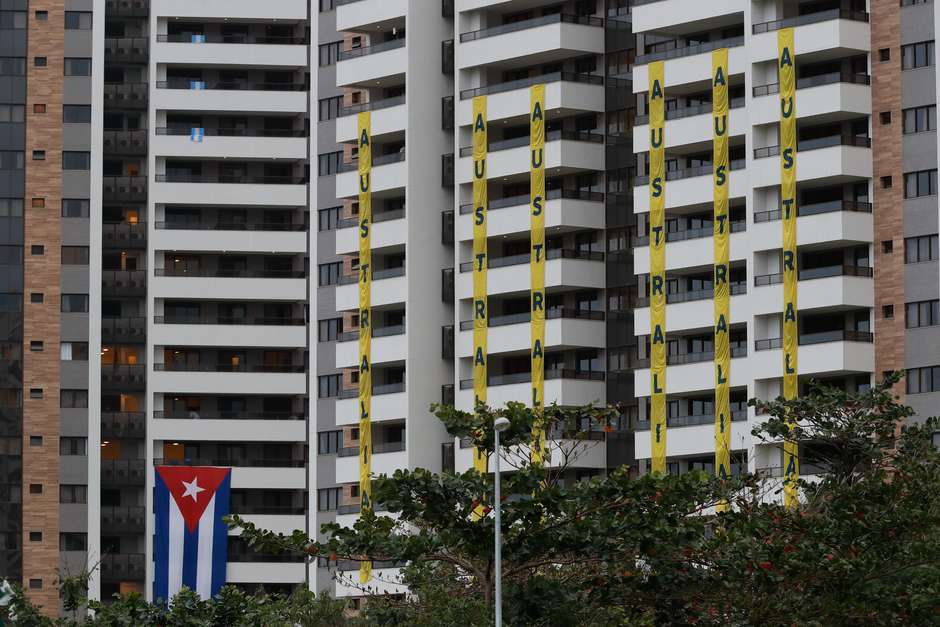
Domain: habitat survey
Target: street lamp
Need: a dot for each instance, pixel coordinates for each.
(499, 425)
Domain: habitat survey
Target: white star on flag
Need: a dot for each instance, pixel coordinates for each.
(192, 488)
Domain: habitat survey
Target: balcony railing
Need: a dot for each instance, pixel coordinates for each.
(129, 376)
(124, 281)
(215, 131)
(555, 253)
(551, 77)
(123, 519)
(687, 51)
(810, 18)
(822, 337)
(126, 49)
(121, 330)
(692, 358)
(688, 112)
(816, 273)
(688, 173)
(380, 216)
(201, 414)
(389, 331)
(516, 142)
(535, 22)
(123, 566)
(242, 462)
(736, 288)
(806, 145)
(198, 38)
(377, 275)
(124, 188)
(372, 105)
(551, 314)
(230, 179)
(124, 234)
(271, 321)
(816, 81)
(377, 390)
(127, 8)
(817, 208)
(737, 415)
(386, 447)
(228, 367)
(125, 142)
(255, 509)
(526, 377)
(181, 225)
(239, 273)
(124, 424)
(125, 95)
(524, 199)
(738, 226)
(355, 53)
(199, 85)
(122, 472)
(352, 166)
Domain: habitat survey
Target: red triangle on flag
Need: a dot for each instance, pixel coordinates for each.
(192, 488)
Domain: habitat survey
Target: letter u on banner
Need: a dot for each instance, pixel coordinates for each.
(479, 262)
(657, 221)
(365, 320)
(537, 261)
(788, 150)
(722, 260)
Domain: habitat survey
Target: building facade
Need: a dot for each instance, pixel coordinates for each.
(190, 290)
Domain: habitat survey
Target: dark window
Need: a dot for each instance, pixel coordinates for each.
(328, 499)
(328, 163)
(925, 313)
(75, 66)
(329, 273)
(329, 107)
(75, 160)
(923, 380)
(12, 113)
(329, 385)
(74, 351)
(329, 52)
(329, 442)
(12, 66)
(78, 20)
(329, 218)
(75, 255)
(73, 493)
(327, 5)
(40, 61)
(13, 20)
(920, 119)
(918, 249)
(76, 114)
(73, 446)
(330, 329)
(11, 159)
(73, 399)
(11, 207)
(917, 55)
(923, 183)
(39, 155)
(75, 207)
(73, 541)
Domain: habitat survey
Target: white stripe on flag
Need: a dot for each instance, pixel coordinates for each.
(204, 562)
(175, 566)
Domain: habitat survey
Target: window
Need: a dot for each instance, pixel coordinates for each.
(73, 446)
(37, 346)
(328, 163)
(39, 155)
(75, 66)
(329, 218)
(78, 20)
(42, 16)
(329, 385)
(39, 108)
(75, 303)
(925, 313)
(35, 297)
(38, 203)
(73, 541)
(35, 488)
(11, 160)
(917, 55)
(75, 160)
(12, 66)
(35, 584)
(13, 20)
(887, 246)
(75, 255)
(887, 312)
(13, 113)
(329, 52)
(73, 493)
(75, 207)
(919, 249)
(76, 114)
(35, 440)
(74, 351)
(923, 380)
(920, 119)
(40, 61)
(329, 273)
(886, 182)
(328, 499)
(330, 329)
(73, 399)
(37, 249)
(908, 3)
(327, 5)
(35, 393)
(329, 107)
(329, 442)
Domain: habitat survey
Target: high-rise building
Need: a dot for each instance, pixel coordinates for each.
(183, 246)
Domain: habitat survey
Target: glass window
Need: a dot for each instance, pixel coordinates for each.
(76, 114)
(75, 303)
(78, 20)
(12, 113)
(76, 160)
(75, 255)
(12, 66)
(76, 66)
(75, 207)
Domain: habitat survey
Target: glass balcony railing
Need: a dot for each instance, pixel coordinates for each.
(810, 18)
(816, 273)
(817, 208)
(805, 145)
(526, 377)
(535, 22)
(551, 314)
(556, 253)
(821, 337)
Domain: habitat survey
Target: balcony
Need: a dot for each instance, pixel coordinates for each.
(362, 15)
(570, 208)
(810, 18)
(737, 226)
(566, 387)
(389, 344)
(842, 222)
(563, 267)
(814, 209)
(551, 37)
(807, 145)
(690, 186)
(660, 15)
(125, 142)
(123, 567)
(123, 424)
(241, 85)
(384, 62)
(682, 359)
(233, 39)
(389, 403)
(127, 8)
(126, 49)
(123, 519)
(689, 125)
(565, 152)
(694, 420)
(808, 339)
(230, 179)
(816, 273)
(681, 51)
(131, 330)
(388, 229)
(124, 234)
(214, 49)
(830, 353)
(831, 78)
(201, 414)
(389, 172)
(516, 142)
(564, 327)
(124, 189)
(228, 367)
(240, 273)
(123, 472)
(123, 376)
(186, 131)
(125, 95)
(833, 34)
(230, 320)
(377, 390)
(241, 462)
(387, 457)
(249, 331)
(124, 282)
(736, 288)
(515, 260)
(389, 117)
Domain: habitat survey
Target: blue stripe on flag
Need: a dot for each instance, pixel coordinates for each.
(220, 535)
(161, 548)
(190, 557)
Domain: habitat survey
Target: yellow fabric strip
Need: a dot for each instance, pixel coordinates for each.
(480, 259)
(365, 321)
(657, 287)
(722, 265)
(537, 260)
(788, 151)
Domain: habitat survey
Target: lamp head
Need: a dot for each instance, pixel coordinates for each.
(501, 424)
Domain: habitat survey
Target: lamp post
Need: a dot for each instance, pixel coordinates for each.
(499, 425)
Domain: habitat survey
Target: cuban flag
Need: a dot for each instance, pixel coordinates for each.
(191, 539)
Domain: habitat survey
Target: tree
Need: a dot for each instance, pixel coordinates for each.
(863, 548)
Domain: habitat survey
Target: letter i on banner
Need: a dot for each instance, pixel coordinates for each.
(480, 315)
(787, 80)
(537, 262)
(365, 321)
(722, 240)
(657, 287)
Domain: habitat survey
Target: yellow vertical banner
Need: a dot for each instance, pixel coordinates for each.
(480, 314)
(722, 261)
(657, 286)
(788, 148)
(537, 261)
(365, 320)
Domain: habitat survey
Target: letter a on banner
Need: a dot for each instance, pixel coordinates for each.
(657, 221)
(365, 321)
(480, 262)
(787, 78)
(537, 262)
(722, 239)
